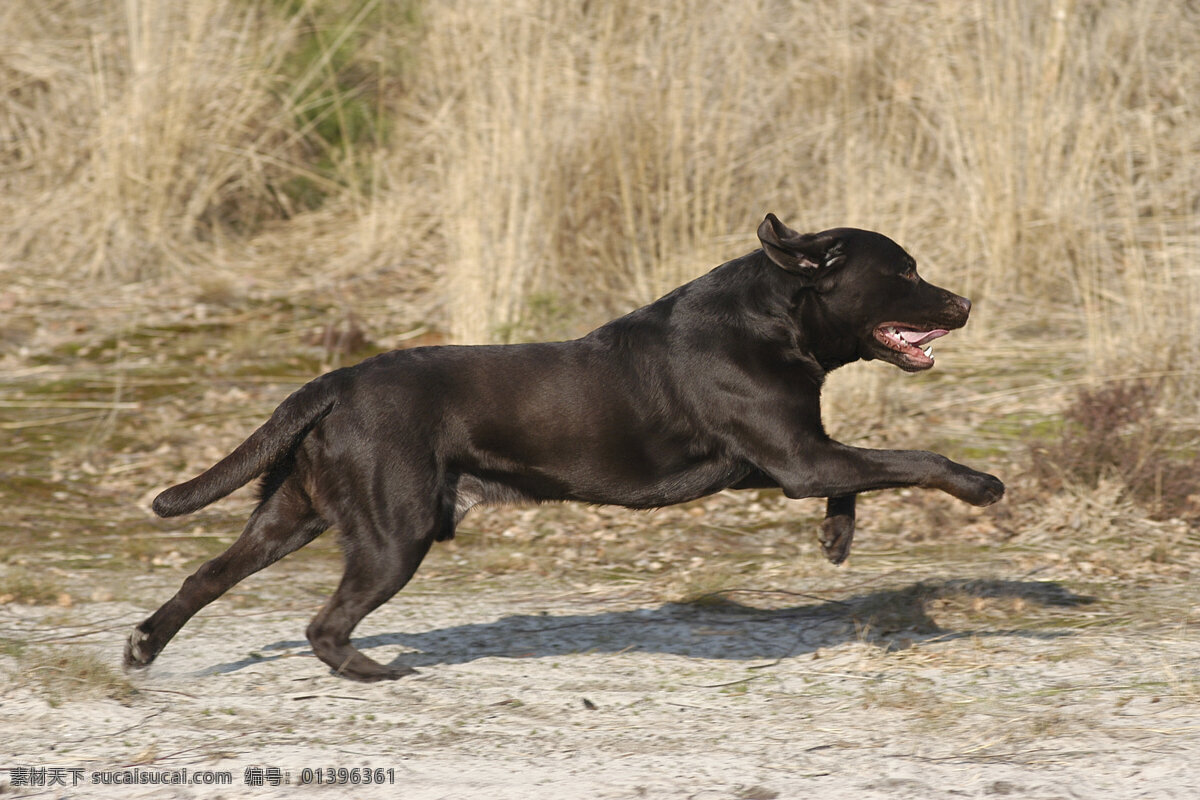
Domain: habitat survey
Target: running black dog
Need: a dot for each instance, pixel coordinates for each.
(714, 386)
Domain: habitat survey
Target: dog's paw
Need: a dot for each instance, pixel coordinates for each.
(837, 533)
(392, 672)
(138, 651)
(985, 490)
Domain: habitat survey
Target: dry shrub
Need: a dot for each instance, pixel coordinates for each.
(1119, 432)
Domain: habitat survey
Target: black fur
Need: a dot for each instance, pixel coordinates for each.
(714, 386)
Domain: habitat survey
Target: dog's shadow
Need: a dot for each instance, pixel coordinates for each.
(718, 627)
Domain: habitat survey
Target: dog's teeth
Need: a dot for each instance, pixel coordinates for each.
(929, 351)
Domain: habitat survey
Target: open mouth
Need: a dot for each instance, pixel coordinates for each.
(910, 342)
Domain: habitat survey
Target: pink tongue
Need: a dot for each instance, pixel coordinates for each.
(918, 338)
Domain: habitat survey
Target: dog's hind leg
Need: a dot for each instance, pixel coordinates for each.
(376, 569)
(282, 523)
(837, 530)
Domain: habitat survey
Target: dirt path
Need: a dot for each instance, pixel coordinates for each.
(532, 693)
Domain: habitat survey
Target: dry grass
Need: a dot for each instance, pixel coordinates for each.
(593, 156)
(128, 128)
(141, 139)
(610, 154)
(66, 676)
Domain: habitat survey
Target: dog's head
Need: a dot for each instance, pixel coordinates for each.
(866, 283)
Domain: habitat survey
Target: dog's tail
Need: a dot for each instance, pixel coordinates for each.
(277, 437)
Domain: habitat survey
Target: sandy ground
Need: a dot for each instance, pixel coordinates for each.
(530, 692)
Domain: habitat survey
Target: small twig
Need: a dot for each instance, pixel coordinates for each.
(721, 685)
(685, 705)
(169, 691)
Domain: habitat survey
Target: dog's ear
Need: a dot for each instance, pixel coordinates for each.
(802, 253)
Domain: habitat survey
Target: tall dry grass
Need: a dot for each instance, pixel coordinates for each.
(129, 128)
(141, 138)
(1034, 154)
(1040, 156)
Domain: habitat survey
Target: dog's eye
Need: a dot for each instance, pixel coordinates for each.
(910, 273)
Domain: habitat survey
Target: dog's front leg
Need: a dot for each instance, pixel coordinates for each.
(835, 470)
(938, 472)
(837, 530)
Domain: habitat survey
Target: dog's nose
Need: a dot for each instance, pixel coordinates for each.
(965, 305)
